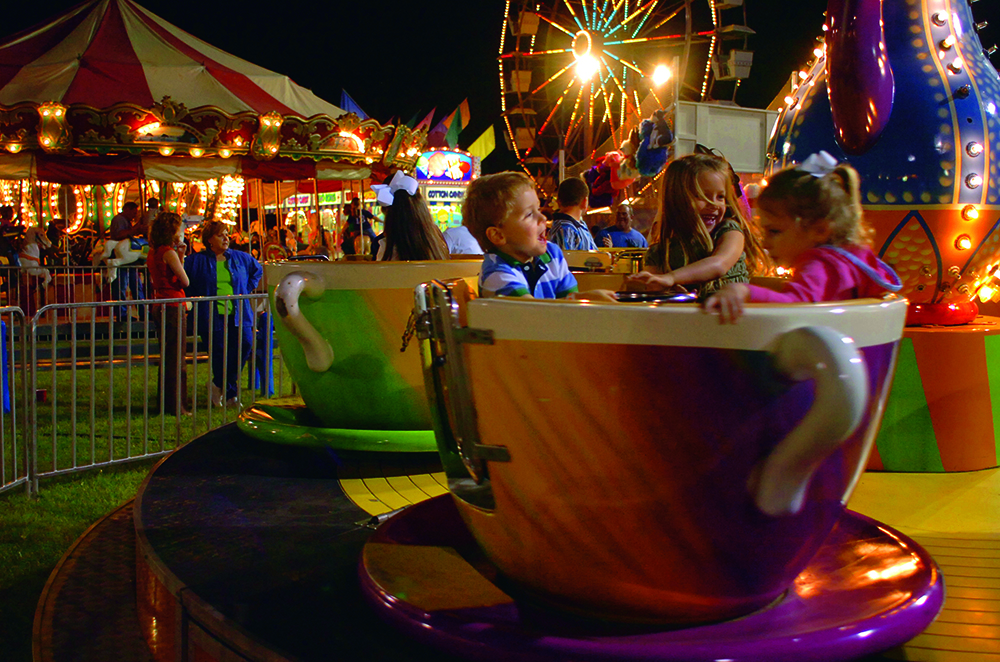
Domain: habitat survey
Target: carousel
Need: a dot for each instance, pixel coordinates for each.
(109, 103)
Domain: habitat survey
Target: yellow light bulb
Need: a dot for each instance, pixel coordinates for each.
(963, 242)
(661, 74)
(970, 213)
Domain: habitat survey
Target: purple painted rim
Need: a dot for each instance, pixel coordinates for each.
(836, 624)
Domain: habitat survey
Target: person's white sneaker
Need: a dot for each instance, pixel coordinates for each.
(216, 394)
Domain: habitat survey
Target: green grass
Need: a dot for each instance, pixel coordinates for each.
(118, 419)
(36, 532)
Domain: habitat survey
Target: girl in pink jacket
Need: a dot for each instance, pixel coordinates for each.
(811, 219)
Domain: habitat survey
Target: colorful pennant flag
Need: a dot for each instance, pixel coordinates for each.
(484, 144)
(446, 132)
(426, 122)
(350, 105)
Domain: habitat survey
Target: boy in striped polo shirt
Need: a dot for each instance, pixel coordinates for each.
(502, 213)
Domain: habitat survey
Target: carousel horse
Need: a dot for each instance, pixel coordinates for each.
(30, 254)
(126, 251)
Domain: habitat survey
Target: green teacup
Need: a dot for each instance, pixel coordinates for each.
(340, 327)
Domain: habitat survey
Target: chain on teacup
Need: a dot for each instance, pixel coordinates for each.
(411, 327)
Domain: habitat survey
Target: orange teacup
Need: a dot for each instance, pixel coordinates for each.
(643, 462)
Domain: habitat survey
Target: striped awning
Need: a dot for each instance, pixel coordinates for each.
(106, 52)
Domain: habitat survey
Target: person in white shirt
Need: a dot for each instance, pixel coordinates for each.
(461, 242)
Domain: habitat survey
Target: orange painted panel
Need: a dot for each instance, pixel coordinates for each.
(953, 370)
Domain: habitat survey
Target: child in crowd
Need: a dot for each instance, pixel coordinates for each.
(812, 222)
(410, 232)
(502, 213)
(704, 238)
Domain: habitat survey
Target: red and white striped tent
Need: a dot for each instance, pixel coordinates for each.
(79, 95)
(105, 52)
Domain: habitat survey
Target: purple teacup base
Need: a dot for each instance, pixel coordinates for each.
(867, 589)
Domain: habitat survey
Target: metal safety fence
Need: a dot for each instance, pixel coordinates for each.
(94, 384)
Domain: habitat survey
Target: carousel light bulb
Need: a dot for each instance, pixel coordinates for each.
(963, 242)
(790, 100)
(46, 141)
(947, 42)
(196, 151)
(14, 148)
(225, 153)
(940, 18)
(818, 52)
(803, 75)
(970, 213)
(166, 151)
(661, 74)
(974, 149)
(973, 181)
(956, 65)
(238, 142)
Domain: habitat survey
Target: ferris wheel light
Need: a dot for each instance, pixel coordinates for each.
(586, 67)
(661, 74)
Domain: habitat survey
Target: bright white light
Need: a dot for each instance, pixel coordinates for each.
(586, 67)
(661, 74)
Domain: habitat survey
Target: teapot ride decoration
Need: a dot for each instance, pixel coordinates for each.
(904, 92)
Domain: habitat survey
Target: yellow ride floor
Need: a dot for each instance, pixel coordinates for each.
(956, 517)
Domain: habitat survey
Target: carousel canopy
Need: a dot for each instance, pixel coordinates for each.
(105, 52)
(109, 92)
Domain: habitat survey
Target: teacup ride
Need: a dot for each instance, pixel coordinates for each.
(605, 268)
(688, 505)
(341, 327)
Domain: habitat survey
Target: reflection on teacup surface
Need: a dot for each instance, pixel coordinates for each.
(636, 438)
(340, 331)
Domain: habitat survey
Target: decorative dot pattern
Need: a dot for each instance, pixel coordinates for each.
(912, 254)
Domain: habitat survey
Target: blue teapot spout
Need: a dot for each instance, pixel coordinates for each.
(859, 77)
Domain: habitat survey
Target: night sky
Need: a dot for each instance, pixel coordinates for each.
(416, 56)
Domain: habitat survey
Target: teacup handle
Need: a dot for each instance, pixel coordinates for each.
(780, 481)
(319, 354)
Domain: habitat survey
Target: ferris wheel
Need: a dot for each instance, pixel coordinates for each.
(575, 74)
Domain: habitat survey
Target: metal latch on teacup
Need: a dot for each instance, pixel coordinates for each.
(447, 377)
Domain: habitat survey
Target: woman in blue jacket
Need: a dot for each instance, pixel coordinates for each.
(219, 270)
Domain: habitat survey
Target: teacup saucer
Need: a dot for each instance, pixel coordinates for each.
(868, 589)
(289, 421)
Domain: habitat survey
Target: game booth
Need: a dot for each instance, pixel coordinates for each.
(467, 478)
(443, 175)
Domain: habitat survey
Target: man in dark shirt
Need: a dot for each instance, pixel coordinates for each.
(123, 227)
(355, 227)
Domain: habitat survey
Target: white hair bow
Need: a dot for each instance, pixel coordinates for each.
(385, 192)
(819, 164)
